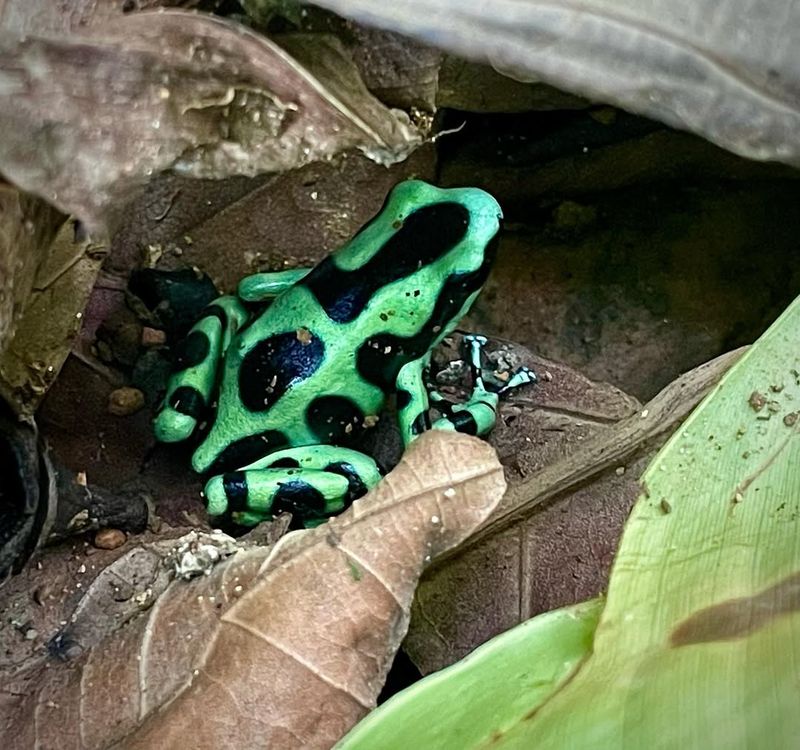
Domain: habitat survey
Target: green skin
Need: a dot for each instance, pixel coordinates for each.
(302, 376)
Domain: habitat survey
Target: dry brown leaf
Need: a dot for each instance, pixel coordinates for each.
(50, 318)
(297, 218)
(283, 647)
(27, 225)
(88, 119)
(534, 555)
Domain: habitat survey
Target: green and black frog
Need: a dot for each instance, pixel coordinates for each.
(306, 358)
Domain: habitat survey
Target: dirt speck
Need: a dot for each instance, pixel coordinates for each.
(757, 401)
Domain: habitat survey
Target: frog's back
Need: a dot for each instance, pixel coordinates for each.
(319, 362)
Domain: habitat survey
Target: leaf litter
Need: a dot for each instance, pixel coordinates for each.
(279, 646)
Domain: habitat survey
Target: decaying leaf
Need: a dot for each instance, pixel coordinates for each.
(552, 540)
(726, 71)
(88, 119)
(297, 217)
(280, 647)
(475, 87)
(50, 318)
(27, 225)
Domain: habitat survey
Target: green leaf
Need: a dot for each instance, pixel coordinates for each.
(479, 698)
(699, 642)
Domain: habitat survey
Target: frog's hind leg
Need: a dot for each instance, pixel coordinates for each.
(194, 369)
(260, 287)
(311, 482)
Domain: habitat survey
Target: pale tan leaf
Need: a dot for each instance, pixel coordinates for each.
(25, 17)
(727, 71)
(278, 647)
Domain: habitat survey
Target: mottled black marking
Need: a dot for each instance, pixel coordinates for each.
(464, 422)
(275, 364)
(235, 486)
(284, 463)
(421, 423)
(380, 357)
(334, 419)
(298, 498)
(248, 449)
(404, 398)
(191, 351)
(426, 235)
(355, 484)
(186, 399)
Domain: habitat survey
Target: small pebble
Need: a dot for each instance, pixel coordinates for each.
(109, 538)
(153, 337)
(125, 401)
(31, 634)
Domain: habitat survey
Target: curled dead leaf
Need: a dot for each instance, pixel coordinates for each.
(88, 119)
(278, 647)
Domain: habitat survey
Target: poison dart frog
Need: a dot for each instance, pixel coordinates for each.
(306, 358)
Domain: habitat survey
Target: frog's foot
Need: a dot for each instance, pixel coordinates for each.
(194, 369)
(478, 415)
(520, 376)
(310, 482)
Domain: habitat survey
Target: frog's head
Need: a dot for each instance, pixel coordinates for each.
(454, 228)
(424, 227)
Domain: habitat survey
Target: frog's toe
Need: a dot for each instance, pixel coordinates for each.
(171, 426)
(216, 496)
(521, 376)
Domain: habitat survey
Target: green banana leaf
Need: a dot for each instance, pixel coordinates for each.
(489, 691)
(698, 644)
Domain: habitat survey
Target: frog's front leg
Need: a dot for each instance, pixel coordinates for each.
(194, 369)
(477, 416)
(311, 482)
